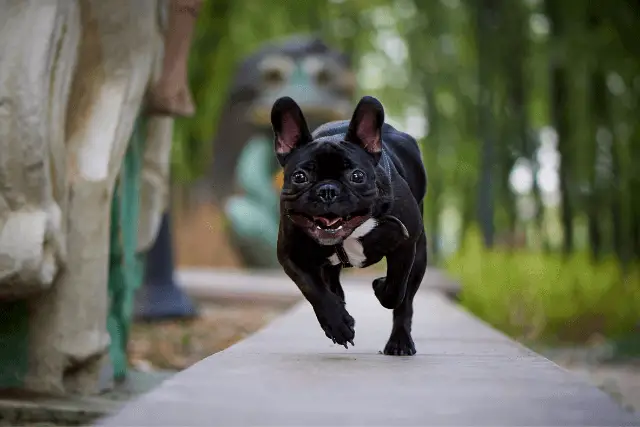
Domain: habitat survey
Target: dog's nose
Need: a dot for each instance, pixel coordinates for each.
(328, 193)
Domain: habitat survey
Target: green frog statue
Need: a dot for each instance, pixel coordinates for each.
(245, 176)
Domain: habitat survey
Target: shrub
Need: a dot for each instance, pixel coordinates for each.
(539, 296)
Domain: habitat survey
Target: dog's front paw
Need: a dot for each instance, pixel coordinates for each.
(400, 344)
(337, 323)
(387, 295)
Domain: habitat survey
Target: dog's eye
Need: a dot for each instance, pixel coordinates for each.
(357, 176)
(299, 177)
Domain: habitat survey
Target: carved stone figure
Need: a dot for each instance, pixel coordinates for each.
(72, 84)
(245, 175)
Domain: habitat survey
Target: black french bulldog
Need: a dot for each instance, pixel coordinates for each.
(352, 194)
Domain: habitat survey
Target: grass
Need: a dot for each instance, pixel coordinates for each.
(534, 296)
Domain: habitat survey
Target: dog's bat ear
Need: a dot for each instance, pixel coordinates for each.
(365, 128)
(289, 127)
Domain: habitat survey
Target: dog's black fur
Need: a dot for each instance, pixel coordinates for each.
(355, 185)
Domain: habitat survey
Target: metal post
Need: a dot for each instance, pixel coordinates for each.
(160, 297)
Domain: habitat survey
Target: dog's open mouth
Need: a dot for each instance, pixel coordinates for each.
(334, 223)
(331, 223)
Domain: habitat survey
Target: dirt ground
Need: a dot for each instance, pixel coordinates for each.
(200, 241)
(621, 380)
(176, 345)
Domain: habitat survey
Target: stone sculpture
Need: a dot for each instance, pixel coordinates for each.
(244, 174)
(72, 85)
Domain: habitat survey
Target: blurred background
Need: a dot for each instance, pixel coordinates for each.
(527, 115)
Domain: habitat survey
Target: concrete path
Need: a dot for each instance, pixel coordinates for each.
(273, 285)
(289, 374)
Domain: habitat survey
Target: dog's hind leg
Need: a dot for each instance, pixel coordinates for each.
(400, 342)
(392, 289)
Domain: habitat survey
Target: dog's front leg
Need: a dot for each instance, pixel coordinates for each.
(331, 277)
(390, 290)
(330, 309)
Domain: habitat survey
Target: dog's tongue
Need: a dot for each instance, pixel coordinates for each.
(326, 221)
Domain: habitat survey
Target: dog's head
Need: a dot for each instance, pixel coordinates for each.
(329, 182)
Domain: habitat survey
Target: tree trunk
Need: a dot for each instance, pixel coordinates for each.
(594, 203)
(559, 113)
(435, 187)
(486, 127)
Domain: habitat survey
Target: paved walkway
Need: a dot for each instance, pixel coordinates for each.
(273, 285)
(289, 374)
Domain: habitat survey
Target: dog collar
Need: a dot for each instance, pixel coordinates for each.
(342, 256)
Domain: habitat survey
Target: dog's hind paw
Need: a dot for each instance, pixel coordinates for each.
(387, 295)
(400, 344)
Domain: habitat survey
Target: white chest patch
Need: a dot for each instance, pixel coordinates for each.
(353, 246)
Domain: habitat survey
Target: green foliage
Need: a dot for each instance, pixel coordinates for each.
(537, 296)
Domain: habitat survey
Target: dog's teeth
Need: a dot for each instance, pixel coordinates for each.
(339, 227)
